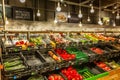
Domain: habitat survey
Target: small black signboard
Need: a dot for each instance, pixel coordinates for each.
(20, 13)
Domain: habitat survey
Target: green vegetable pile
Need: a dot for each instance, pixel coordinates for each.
(11, 64)
(36, 78)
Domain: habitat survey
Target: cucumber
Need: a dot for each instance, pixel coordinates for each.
(10, 64)
(15, 68)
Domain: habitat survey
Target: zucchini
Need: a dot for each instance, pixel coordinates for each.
(10, 64)
(15, 68)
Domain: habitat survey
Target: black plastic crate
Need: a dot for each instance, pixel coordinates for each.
(33, 60)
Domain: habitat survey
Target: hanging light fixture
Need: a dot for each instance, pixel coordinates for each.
(118, 15)
(80, 24)
(38, 11)
(99, 20)
(88, 19)
(69, 15)
(61, 0)
(55, 21)
(58, 7)
(92, 10)
(22, 1)
(114, 24)
(91, 3)
(80, 15)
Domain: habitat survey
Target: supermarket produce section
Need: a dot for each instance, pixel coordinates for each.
(59, 56)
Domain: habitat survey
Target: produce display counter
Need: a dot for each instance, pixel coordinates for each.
(57, 52)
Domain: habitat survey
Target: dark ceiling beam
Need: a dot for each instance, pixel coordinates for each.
(84, 2)
(108, 5)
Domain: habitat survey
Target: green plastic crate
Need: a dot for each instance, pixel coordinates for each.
(98, 76)
(79, 54)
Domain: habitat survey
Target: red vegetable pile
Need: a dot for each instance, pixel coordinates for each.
(97, 50)
(64, 54)
(55, 77)
(103, 66)
(71, 74)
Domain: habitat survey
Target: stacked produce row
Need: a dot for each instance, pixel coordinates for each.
(53, 52)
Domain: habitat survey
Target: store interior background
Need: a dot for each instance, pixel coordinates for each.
(46, 20)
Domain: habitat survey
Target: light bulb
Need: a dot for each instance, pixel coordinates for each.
(61, 0)
(88, 19)
(58, 7)
(114, 24)
(69, 16)
(22, 1)
(80, 14)
(100, 22)
(91, 4)
(115, 7)
(38, 13)
(113, 12)
(118, 16)
(80, 24)
(55, 21)
(92, 10)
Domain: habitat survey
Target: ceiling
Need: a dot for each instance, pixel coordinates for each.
(107, 5)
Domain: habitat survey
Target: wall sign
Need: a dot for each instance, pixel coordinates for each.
(22, 13)
(61, 16)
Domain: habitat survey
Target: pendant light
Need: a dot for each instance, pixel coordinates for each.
(80, 15)
(55, 21)
(58, 7)
(118, 15)
(80, 24)
(88, 19)
(99, 20)
(61, 0)
(22, 1)
(38, 11)
(69, 15)
(92, 10)
(114, 23)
